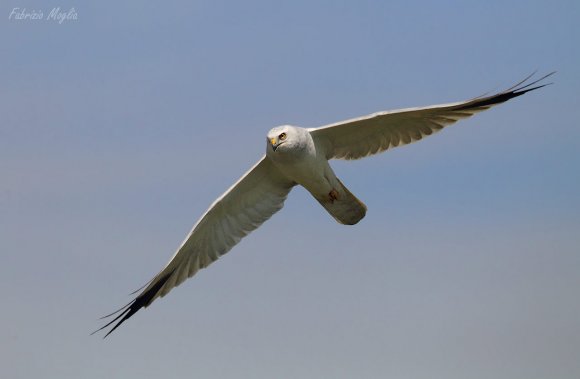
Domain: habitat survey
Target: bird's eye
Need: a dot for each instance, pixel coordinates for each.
(282, 136)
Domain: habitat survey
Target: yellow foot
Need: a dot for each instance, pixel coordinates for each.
(333, 195)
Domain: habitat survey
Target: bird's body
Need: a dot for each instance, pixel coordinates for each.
(303, 161)
(299, 156)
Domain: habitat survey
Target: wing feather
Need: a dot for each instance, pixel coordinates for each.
(259, 194)
(375, 133)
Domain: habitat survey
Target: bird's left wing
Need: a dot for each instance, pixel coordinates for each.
(244, 207)
(375, 133)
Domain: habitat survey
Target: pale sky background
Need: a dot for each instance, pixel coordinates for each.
(119, 129)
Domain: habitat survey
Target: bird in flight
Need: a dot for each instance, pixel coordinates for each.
(299, 156)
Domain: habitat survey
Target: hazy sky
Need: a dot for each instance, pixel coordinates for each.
(118, 129)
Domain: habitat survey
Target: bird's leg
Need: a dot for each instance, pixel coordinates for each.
(333, 195)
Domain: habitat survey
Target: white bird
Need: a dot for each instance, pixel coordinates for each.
(300, 156)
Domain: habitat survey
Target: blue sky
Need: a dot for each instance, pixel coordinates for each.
(118, 130)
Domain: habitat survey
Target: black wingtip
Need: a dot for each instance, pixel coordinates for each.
(141, 301)
(517, 90)
(520, 90)
(127, 312)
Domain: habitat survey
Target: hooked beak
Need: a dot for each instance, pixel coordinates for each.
(273, 143)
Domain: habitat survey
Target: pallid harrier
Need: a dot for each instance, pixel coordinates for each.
(300, 156)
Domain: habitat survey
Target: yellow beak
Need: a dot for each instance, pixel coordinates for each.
(273, 141)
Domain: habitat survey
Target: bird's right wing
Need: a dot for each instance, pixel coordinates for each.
(375, 133)
(244, 207)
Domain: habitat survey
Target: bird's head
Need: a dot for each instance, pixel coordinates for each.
(280, 137)
(287, 143)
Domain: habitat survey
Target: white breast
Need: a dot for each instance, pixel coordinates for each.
(300, 162)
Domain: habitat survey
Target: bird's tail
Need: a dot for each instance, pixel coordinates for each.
(343, 206)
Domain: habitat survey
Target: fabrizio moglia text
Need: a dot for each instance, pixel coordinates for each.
(56, 14)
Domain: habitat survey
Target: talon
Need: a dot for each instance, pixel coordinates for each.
(333, 195)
